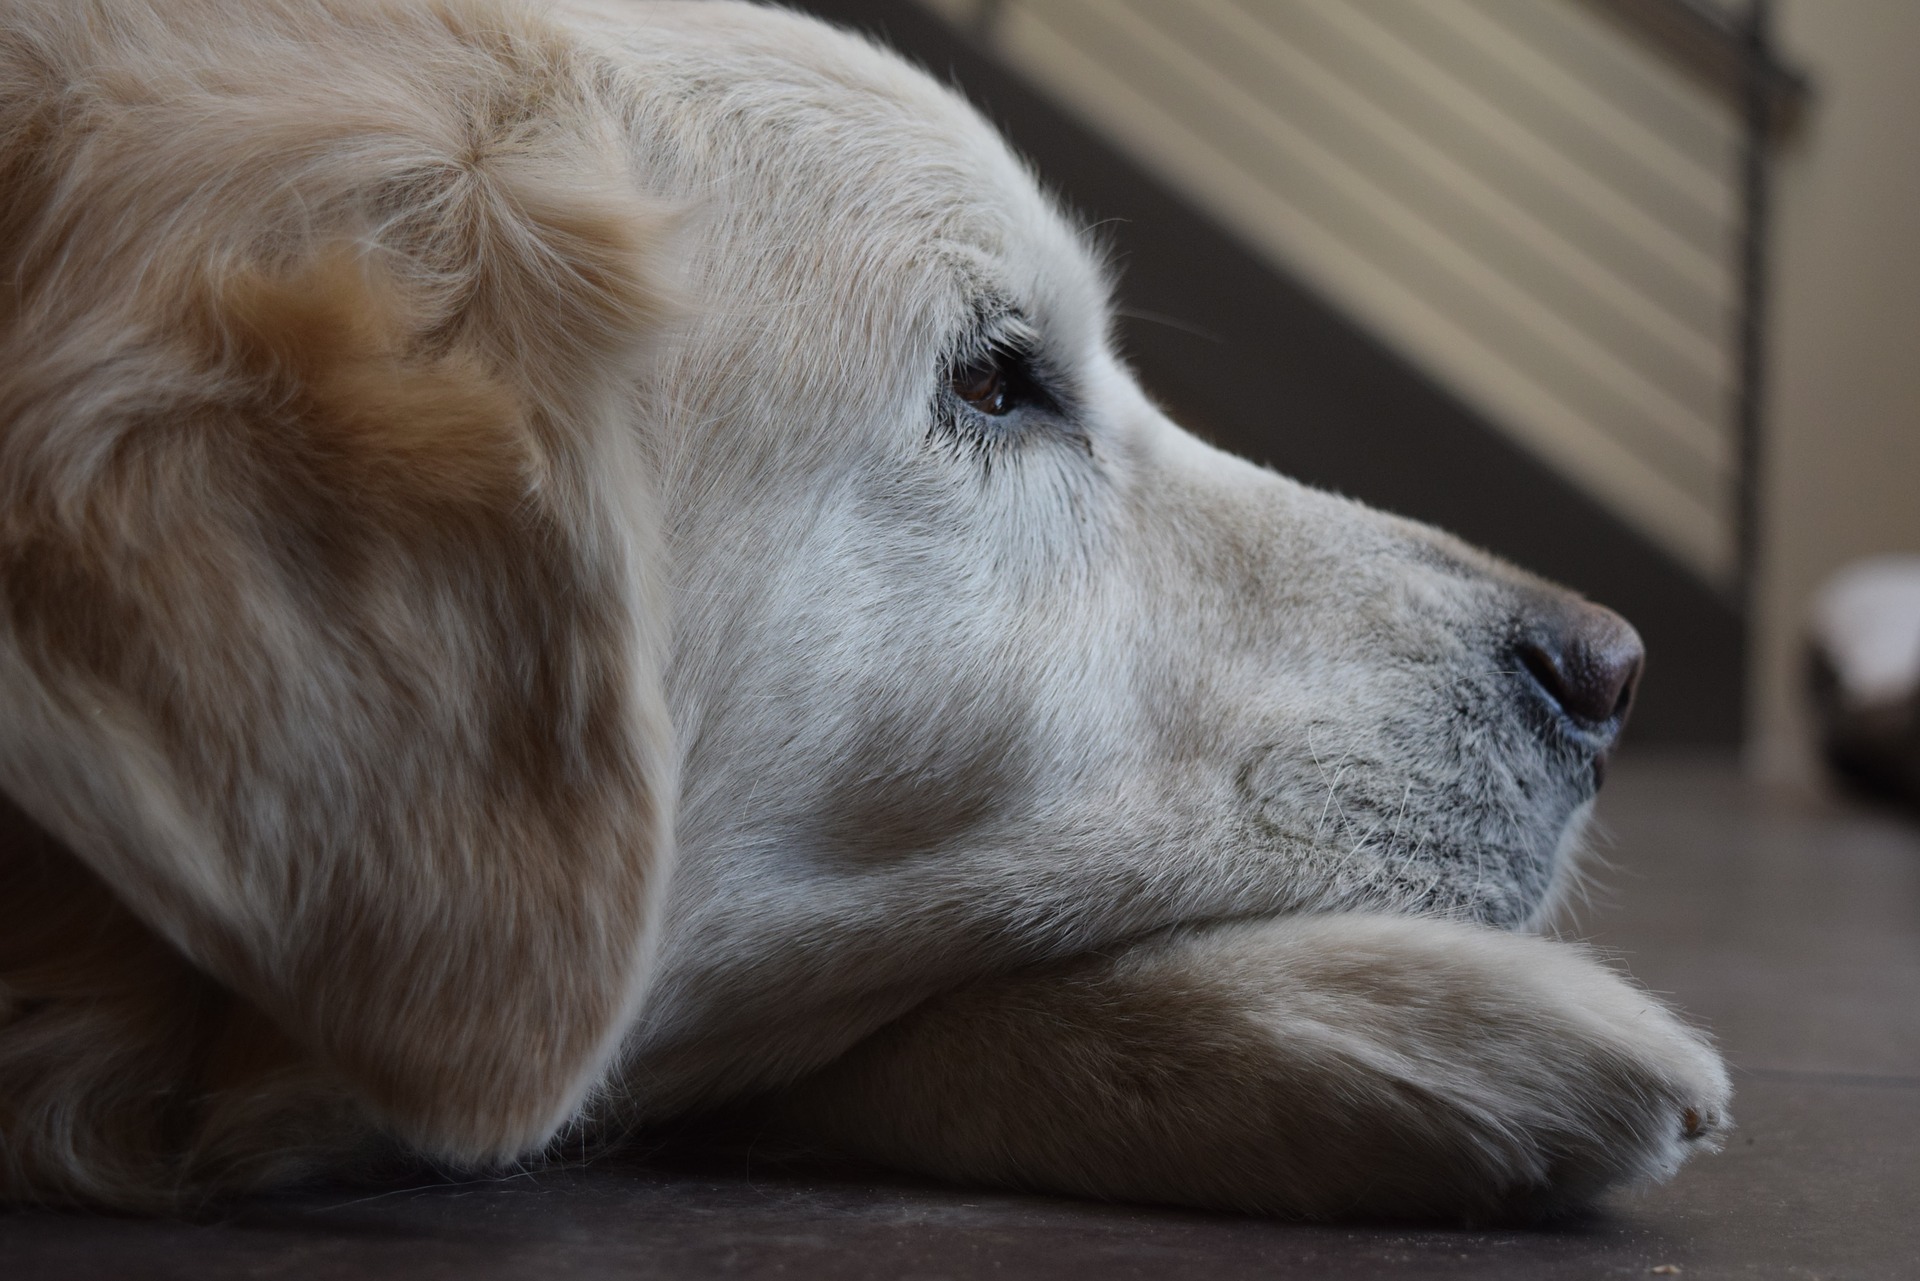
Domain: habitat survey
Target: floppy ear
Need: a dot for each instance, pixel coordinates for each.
(330, 613)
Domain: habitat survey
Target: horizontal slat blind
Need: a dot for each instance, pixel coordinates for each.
(1513, 193)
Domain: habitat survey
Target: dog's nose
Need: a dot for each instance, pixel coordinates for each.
(1587, 658)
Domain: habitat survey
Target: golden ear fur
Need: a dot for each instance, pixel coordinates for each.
(329, 343)
(330, 615)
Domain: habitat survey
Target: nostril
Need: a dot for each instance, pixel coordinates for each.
(1544, 668)
(1586, 658)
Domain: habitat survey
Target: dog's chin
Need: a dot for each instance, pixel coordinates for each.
(1568, 863)
(1529, 888)
(1540, 903)
(1557, 862)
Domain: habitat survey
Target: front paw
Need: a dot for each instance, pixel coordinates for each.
(1515, 1077)
(1332, 1066)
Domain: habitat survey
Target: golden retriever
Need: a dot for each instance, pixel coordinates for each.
(566, 566)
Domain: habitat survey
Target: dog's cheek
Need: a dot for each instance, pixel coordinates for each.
(901, 790)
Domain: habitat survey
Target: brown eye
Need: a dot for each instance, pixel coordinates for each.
(983, 386)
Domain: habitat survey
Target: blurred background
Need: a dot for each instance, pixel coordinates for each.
(1626, 290)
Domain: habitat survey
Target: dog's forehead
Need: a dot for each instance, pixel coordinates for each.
(836, 156)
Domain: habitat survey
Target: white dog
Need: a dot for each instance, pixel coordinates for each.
(569, 568)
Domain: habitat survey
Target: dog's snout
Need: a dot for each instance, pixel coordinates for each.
(1587, 658)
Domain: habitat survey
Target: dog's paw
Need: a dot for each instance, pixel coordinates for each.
(1334, 1066)
(1515, 1076)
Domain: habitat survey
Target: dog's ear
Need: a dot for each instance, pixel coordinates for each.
(330, 619)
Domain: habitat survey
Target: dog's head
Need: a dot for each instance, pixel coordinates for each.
(979, 656)
(438, 445)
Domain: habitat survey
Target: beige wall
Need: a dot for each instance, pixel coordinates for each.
(1842, 472)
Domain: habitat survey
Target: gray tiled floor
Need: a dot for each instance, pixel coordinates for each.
(1793, 928)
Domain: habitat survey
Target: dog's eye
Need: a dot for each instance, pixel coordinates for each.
(998, 390)
(983, 385)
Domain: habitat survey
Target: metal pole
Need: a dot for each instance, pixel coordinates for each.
(1749, 409)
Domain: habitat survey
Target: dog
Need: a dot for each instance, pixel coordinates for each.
(567, 567)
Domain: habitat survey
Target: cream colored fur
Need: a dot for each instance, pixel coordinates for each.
(507, 621)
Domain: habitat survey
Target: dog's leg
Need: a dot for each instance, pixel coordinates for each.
(1312, 1066)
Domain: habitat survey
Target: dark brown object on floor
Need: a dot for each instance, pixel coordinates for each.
(1875, 748)
(1793, 928)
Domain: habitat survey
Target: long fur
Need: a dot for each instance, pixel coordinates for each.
(330, 632)
(505, 622)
